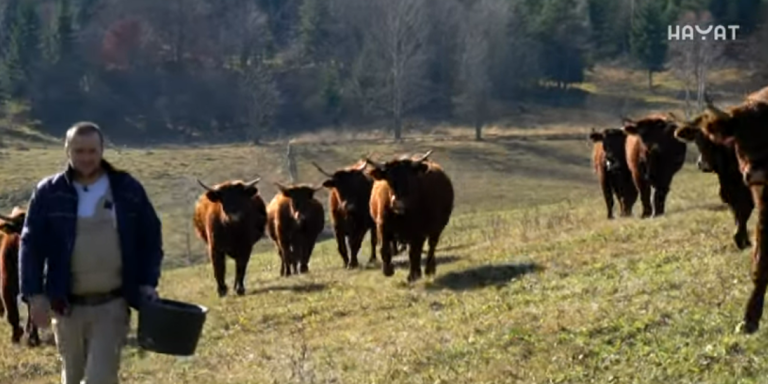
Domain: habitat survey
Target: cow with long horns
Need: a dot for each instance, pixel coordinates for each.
(654, 156)
(349, 193)
(230, 218)
(743, 128)
(11, 227)
(295, 220)
(411, 200)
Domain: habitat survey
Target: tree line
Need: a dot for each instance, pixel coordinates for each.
(252, 69)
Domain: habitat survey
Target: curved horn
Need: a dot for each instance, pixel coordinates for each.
(626, 120)
(252, 182)
(280, 187)
(321, 170)
(425, 156)
(711, 106)
(672, 116)
(203, 185)
(362, 166)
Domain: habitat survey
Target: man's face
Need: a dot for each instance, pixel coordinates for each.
(85, 153)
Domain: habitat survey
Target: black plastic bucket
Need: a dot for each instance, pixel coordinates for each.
(170, 327)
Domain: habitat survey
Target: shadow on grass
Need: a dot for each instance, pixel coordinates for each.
(302, 288)
(404, 263)
(483, 276)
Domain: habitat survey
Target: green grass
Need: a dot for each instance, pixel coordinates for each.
(533, 284)
(536, 286)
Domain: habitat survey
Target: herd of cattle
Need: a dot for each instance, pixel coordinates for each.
(408, 201)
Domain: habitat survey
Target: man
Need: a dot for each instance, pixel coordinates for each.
(91, 247)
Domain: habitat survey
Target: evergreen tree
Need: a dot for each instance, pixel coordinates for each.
(314, 26)
(649, 40)
(23, 53)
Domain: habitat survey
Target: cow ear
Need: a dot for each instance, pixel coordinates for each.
(329, 184)
(377, 173)
(252, 191)
(630, 128)
(596, 136)
(686, 133)
(421, 167)
(213, 196)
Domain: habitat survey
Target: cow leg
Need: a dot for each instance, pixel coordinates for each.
(341, 245)
(355, 243)
(608, 196)
(374, 240)
(414, 255)
(12, 313)
(741, 213)
(431, 267)
(645, 199)
(659, 200)
(755, 304)
(33, 337)
(241, 265)
(386, 253)
(219, 261)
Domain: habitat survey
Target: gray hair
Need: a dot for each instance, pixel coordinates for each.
(82, 128)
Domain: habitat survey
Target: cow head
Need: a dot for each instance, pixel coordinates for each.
(742, 128)
(235, 197)
(300, 196)
(352, 184)
(13, 223)
(614, 141)
(690, 132)
(656, 132)
(402, 176)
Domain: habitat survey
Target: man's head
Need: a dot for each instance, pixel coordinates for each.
(402, 176)
(84, 144)
(235, 197)
(352, 185)
(614, 141)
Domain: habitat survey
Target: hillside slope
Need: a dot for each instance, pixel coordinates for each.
(533, 285)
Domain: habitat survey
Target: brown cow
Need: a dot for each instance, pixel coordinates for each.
(743, 126)
(721, 160)
(11, 226)
(654, 156)
(294, 222)
(350, 192)
(609, 159)
(230, 218)
(411, 200)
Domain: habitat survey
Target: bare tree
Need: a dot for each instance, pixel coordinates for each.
(261, 100)
(392, 80)
(692, 60)
(481, 31)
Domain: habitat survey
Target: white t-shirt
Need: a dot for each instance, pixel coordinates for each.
(89, 196)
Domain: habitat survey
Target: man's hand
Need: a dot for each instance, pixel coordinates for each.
(40, 311)
(148, 293)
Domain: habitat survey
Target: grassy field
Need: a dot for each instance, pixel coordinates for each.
(533, 284)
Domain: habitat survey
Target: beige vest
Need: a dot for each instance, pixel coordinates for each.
(96, 258)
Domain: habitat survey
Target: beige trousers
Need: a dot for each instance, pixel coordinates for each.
(90, 341)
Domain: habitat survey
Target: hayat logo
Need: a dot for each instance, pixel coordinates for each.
(693, 32)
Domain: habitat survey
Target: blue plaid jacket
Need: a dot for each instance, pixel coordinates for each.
(48, 237)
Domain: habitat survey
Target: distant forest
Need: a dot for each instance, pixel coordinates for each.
(255, 69)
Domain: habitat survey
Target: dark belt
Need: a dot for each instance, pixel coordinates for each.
(95, 298)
